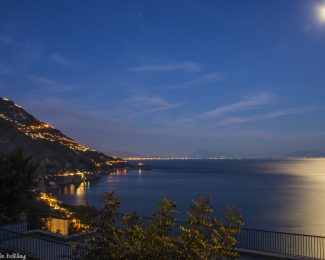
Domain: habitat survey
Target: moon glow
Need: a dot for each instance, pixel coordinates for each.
(321, 13)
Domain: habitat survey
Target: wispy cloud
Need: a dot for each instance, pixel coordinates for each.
(8, 40)
(64, 61)
(4, 70)
(209, 77)
(247, 103)
(235, 120)
(279, 113)
(45, 83)
(292, 111)
(198, 80)
(27, 49)
(58, 108)
(184, 66)
(141, 105)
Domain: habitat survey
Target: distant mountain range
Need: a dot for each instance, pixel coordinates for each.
(205, 154)
(124, 154)
(210, 154)
(307, 154)
(297, 154)
(54, 151)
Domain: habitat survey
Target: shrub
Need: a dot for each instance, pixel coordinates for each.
(18, 180)
(130, 236)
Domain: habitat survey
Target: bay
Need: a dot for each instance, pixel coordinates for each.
(281, 195)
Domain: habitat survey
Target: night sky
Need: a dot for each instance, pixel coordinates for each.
(170, 77)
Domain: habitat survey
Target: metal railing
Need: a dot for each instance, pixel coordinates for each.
(19, 227)
(34, 246)
(249, 240)
(274, 242)
(287, 244)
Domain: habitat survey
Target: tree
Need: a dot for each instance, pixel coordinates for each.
(204, 236)
(17, 183)
(133, 237)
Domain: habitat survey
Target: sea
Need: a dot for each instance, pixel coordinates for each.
(279, 195)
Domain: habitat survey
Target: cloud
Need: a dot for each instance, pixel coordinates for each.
(45, 83)
(31, 50)
(58, 108)
(184, 66)
(235, 120)
(280, 135)
(65, 62)
(7, 40)
(279, 113)
(25, 49)
(292, 111)
(4, 70)
(307, 28)
(245, 104)
(140, 105)
(209, 77)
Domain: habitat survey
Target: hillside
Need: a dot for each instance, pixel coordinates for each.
(54, 151)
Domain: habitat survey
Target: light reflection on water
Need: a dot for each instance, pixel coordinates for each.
(119, 171)
(309, 206)
(77, 191)
(306, 211)
(309, 168)
(285, 195)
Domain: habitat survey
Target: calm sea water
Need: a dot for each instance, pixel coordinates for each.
(286, 195)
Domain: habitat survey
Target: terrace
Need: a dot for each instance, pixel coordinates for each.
(40, 244)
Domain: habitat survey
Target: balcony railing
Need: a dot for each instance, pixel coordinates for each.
(33, 246)
(282, 243)
(253, 241)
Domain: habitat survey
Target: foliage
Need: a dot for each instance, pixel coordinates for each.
(206, 237)
(133, 237)
(85, 214)
(17, 182)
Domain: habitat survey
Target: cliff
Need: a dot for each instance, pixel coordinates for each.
(54, 151)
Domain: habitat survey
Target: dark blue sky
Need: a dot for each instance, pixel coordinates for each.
(170, 77)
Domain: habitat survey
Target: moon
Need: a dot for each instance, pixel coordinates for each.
(321, 13)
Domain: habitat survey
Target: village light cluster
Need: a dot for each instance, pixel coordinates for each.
(46, 132)
(42, 131)
(109, 163)
(56, 205)
(80, 173)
